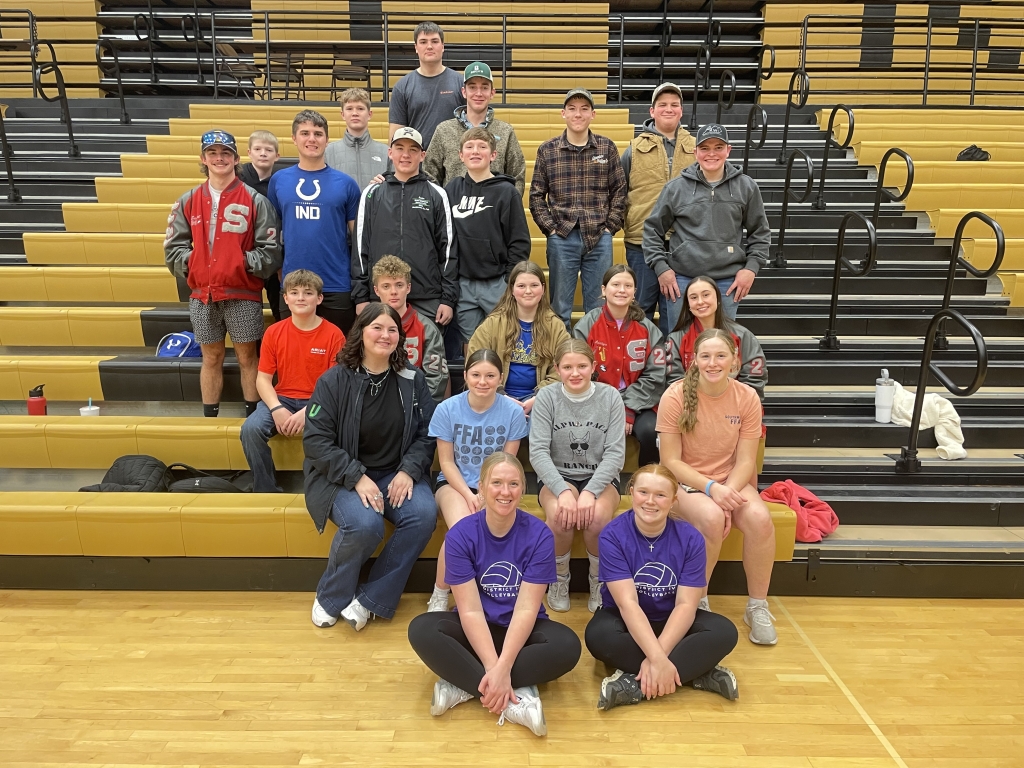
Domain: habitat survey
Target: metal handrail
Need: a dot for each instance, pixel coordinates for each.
(111, 45)
(908, 463)
(881, 179)
(780, 259)
(663, 44)
(149, 42)
(714, 38)
(747, 146)
(197, 32)
(699, 77)
(52, 67)
(819, 202)
(830, 341)
(13, 195)
(956, 260)
(721, 93)
(802, 94)
(761, 76)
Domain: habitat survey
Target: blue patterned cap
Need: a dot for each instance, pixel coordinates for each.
(219, 138)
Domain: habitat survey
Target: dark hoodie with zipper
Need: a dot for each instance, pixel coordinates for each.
(410, 220)
(490, 226)
(707, 223)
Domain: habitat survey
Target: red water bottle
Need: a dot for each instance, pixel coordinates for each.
(36, 402)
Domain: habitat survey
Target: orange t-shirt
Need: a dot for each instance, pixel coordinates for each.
(721, 423)
(299, 357)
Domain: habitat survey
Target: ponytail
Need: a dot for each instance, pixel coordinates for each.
(688, 418)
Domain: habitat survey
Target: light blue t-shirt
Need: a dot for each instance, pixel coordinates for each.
(315, 208)
(522, 368)
(475, 436)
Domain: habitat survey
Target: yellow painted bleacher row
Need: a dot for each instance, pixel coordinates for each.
(122, 285)
(67, 378)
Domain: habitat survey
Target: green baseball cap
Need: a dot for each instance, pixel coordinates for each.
(477, 69)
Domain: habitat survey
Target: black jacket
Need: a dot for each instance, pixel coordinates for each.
(331, 435)
(413, 222)
(490, 226)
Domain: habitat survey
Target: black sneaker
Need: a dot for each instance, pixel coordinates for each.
(620, 688)
(719, 680)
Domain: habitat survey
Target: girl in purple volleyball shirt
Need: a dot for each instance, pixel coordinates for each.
(499, 644)
(649, 627)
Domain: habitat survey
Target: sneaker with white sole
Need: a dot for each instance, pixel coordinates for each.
(594, 601)
(558, 594)
(528, 712)
(356, 615)
(620, 688)
(719, 680)
(438, 602)
(446, 696)
(321, 617)
(703, 604)
(760, 620)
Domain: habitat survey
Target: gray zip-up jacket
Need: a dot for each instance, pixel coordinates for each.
(582, 441)
(362, 158)
(707, 226)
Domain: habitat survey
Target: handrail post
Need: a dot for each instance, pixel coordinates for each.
(504, 59)
(802, 94)
(703, 54)
(13, 195)
(385, 86)
(974, 60)
(721, 93)
(761, 75)
(881, 179)
(112, 45)
(747, 146)
(819, 203)
(908, 462)
(780, 259)
(149, 43)
(53, 67)
(622, 51)
(830, 341)
(927, 62)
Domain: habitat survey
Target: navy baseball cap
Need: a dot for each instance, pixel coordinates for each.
(712, 131)
(219, 139)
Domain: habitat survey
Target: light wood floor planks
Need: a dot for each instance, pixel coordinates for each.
(244, 679)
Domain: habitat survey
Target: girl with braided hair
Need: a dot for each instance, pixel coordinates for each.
(709, 427)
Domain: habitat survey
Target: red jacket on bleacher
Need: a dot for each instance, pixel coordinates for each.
(245, 243)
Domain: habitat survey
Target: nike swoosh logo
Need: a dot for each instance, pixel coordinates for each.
(458, 213)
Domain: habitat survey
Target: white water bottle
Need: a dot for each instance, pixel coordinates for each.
(885, 390)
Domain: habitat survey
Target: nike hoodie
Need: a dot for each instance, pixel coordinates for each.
(490, 226)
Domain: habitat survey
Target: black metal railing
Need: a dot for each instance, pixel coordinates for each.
(701, 78)
(802, 92)
(908, 462)
(763, 74)
(756, 110)
(819, 202)
(52, 67)
(779, 260)
(193, 22)
(830, 341)
(881, 182)
(722, 103)
(111, 46)
(150, 26)
(13, 195)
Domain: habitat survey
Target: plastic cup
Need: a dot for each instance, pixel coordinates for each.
(89, 410)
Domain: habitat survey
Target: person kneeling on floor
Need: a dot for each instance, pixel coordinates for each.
(298, 349)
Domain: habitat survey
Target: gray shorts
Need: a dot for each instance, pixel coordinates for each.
(477, 298)
(242, 318)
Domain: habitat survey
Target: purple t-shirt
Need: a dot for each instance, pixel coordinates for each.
(677, 560)
(525, 553)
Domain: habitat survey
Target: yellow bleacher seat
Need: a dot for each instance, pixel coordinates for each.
(76, 443)
(966, 193)
(115, 217)
(96, 248)
(34, 327)
(24, 442)
(106, 326)
(88, 284)
(10, 382)
(133, 524)
(66, 378)
(236, 525)
(980, 252)
(944, 221)
(33, 523)
(870, 152)
(185, 439)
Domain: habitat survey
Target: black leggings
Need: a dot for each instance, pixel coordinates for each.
(647, 435)
(551, 650)
(711, 638)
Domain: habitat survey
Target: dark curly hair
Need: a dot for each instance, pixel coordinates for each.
(351, 355)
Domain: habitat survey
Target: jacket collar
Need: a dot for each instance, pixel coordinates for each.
(563, 141)
(460, 115)
(357, 141)
(607, 315)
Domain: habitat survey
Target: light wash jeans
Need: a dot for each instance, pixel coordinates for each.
(255, 435)
(566, 261)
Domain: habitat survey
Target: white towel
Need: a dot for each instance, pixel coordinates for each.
(937, 412)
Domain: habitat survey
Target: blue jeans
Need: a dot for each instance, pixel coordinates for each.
(256, 433)
(566, 260)
(670, 309)
(360, 531)
(647, 290)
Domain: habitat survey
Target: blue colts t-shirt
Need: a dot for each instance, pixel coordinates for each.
(677, 560)
(500, 566)
(522, 368)
(475, 436)
(315, 208)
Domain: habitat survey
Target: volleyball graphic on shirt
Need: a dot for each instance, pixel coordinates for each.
(501, 580)
(655, 580)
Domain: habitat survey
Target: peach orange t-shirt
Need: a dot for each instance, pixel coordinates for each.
(721, 422)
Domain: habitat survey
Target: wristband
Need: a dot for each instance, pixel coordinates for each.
(278, 407)
(707, 488)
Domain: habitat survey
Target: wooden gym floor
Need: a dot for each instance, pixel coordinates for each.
(244, 679)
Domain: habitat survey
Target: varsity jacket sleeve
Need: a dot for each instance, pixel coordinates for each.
(753, 369)
(515, 165)
(435, 367)
(266, 256)
(541, 424)
(616, 191)
(656, 226)
(178, 238)
(759, 234)
(539, 193)
(644, 393)
(447, 248)
(516, 233)
(320, 436)
(674, 370)
(419, 455)
(614, 455)
(361, 247)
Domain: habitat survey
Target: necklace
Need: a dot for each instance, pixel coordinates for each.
(376, 385)
(650, 544)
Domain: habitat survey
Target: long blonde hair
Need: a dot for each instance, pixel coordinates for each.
(507, 309)
(688, 418)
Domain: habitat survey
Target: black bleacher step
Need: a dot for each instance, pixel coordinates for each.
(880, 472)
(827, 405)
(769, 324)
(864, 432)
(840, 371)
(778, 281)
(807, 218)
(151, 112)
(30, 213)
(58, 145)
(52, 166)
(849, 304)
(932, 505)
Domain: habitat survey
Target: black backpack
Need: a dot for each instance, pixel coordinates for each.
(138, 473)
(191, 480)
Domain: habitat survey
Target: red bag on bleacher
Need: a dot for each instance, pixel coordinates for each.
(814, 518)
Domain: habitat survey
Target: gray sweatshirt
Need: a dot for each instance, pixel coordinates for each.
(361, 158)
(577, 440)
(707, 224)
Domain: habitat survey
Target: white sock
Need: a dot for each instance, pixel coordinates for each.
(562, 565)
(438, 592)
(593, 565)
(754, 602)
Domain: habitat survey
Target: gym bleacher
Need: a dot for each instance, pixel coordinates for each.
(85, 296)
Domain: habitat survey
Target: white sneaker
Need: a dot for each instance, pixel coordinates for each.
(527, 712)
(356, 615)
(703, 604)
(438, 601)
(594, 601)
(759, 619)
(445, 697)
(321, 617)
(558, 594)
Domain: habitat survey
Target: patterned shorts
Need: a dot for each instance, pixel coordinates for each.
(242, 318)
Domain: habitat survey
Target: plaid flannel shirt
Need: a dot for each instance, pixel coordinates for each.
(573, 185)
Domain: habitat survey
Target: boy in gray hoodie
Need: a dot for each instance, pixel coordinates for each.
(357, 153)
(707, 208)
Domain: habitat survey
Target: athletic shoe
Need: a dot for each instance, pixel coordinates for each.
(356, 615)
(703, 604)
(445, 697)
(528, 712)
(321, 617)
(759, 619)
(594, 601)
(438, 602)
(719, 680)
(558, 594)
(620, 688)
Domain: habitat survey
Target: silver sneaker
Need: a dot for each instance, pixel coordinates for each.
(321, 617)
(356, 615)
(445, 697)
(594, 601)
(719, 680)
(558, 595)
(528, 712)
(437, 603)
(620, 688)
(703, 604)
(760, 621)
